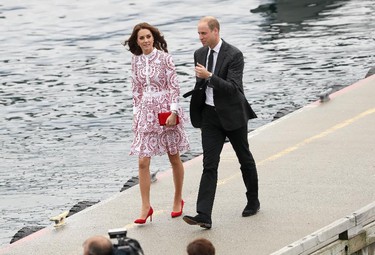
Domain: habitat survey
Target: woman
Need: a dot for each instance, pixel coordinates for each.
(155, 89)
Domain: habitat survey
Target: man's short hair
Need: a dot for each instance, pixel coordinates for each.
(200, 246)
(212, 22)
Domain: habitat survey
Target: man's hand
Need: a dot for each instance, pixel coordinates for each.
(201, 71)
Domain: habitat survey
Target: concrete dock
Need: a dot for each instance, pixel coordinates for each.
(315, 166)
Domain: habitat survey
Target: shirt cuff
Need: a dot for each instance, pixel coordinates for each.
(174, 106)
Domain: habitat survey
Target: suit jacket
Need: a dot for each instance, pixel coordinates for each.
(231, 105)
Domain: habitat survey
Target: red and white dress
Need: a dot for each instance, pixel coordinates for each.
(156, 89)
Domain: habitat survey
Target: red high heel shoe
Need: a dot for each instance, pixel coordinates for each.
(176, 214)
(143, 221)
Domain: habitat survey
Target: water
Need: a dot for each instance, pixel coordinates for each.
(65, 98)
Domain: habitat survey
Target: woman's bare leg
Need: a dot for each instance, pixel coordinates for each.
(144, 184)
(178, 179)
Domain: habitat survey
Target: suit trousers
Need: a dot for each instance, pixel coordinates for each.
(213, 139)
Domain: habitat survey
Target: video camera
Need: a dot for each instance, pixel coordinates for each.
(124, 245)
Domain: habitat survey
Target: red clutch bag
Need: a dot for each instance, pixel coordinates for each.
(162, 116)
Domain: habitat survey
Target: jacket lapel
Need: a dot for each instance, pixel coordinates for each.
(220, 58)
(203, 57)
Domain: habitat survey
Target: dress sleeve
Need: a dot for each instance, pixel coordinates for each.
(173, 85)
(136, 86)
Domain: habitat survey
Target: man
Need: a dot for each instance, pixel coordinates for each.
(97, 245)
(219, 108)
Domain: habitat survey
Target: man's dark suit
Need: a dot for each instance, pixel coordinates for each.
(228, 118)
(231, 105)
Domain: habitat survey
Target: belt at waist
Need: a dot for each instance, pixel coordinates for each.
(154, 94)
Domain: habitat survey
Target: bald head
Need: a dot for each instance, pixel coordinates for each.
(97, 245)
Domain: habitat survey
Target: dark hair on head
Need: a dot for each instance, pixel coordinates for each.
(159, 41)
(200, 246)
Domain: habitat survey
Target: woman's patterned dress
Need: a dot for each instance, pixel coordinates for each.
(156, 89)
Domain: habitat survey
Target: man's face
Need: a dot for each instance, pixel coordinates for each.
(207, 37)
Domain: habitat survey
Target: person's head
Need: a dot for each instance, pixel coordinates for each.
(209, 31)
(97, 245)
(200, 246)
(144, 39)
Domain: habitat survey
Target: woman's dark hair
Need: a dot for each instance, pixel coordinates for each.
(159, 41)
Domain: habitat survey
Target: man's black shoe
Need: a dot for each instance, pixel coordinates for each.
(200, 220)
(250, 210)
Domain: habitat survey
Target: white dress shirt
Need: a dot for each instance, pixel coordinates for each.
(209, 90)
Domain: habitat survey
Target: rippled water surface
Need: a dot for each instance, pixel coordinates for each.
(65, 98)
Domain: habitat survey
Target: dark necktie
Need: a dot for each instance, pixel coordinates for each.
(210, 61)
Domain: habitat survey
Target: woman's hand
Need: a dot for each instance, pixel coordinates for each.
(171, 120)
